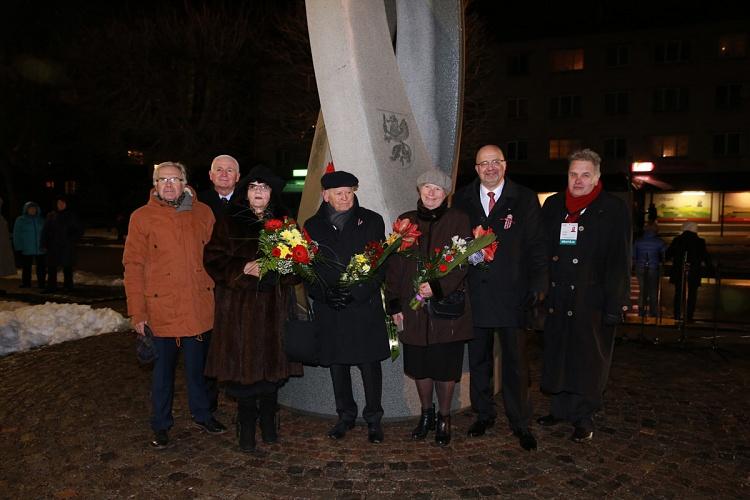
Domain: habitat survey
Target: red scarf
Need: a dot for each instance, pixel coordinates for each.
(576, 205)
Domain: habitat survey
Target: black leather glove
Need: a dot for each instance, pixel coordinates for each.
(611, 319)
(533, 299)
(338, 297)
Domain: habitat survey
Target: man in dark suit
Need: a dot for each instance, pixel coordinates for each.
(224, 175)
(502, 292)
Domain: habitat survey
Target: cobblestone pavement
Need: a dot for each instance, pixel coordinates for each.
(74, 424)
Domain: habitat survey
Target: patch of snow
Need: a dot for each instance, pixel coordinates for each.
(24, 326)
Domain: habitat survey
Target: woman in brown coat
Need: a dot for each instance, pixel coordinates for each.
(433, 347)
(246, 353)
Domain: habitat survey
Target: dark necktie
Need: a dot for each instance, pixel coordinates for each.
(225, 201)
(492, 201)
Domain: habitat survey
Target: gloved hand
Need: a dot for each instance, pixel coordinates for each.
(338, 297)
(533, 299)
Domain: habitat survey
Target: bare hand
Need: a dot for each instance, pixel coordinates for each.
(398, 319)
(425, 290)
(140, 328)
(252, 268)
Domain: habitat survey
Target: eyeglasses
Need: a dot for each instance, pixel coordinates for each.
(169, 180)
(259, 187)
(495, 163)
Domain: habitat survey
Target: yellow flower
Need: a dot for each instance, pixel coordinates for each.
(392, 238)
(285, 250)
(292, 237)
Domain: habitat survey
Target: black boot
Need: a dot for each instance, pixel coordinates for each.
(425, 425)
(247, 414)
(443, 430)
(269, 422)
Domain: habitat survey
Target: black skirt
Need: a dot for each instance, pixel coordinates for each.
(441, 362)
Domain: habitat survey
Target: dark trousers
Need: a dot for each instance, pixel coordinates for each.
(41, 269)
(515, 386)
(692, 293)
(372, 381)
(162, 385)
(648, 281)
(212, 386)
(52, 276)
(575, 408)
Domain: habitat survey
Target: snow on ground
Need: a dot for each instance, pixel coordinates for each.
(24, 326)
(84, 278)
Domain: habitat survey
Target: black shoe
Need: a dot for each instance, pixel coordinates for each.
(425, 425)
(375, 433)
(548, 420)
(338, 431)
(213, 426)
(269, 418)
(526, 439)
(161, 439)
(581, 434)
(480, 426)
(443, 430)
(246, 435)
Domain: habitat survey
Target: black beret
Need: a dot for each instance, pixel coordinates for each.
(338, 179)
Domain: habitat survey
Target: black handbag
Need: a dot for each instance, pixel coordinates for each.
(301, 333)
(144, 347)
(452, 306)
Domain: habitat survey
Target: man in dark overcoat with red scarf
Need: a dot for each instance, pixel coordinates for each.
(588, 248)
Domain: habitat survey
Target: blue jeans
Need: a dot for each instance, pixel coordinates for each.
(162, 384)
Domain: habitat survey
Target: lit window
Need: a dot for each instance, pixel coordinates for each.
(727, 145)
(560, 149)
(616, 103)
(70, 187)
(518, 107)
(566, 60)
(671, 99)
(517, 150)
(732, 45)
(565, 105)
(729, 96)
(670, 146)
(672, 51)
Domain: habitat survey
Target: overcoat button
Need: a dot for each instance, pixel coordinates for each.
(570, 313)
(572, 287)
(551, 310)
(580, 228)
(575, 261)
(553, 283)
(555, 258)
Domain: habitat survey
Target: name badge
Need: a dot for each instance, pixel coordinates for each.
(568, 233)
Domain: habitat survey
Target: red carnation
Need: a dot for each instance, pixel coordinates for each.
(449, 258)
(442, 268)
(272, 225)
(300, 255)
(276, 252)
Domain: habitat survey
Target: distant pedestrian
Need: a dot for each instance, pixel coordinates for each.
(651, 213)
(60, 235)
(7, 260)
(687, 248)
(27, 240)
(648, 255)
(170, 292)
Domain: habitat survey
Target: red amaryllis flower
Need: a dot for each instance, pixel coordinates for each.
(273, 224)
(299, 254)
(276, 252)
(409, 232)
(489, 251)
(442, 268)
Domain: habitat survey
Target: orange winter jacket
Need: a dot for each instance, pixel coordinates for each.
(165, 282)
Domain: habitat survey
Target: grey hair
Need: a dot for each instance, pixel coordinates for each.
(226, 157)
(587, 155)
(175, 164)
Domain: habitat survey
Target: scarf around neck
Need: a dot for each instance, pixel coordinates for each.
(576, 205)
(425, 213)
(339, 219)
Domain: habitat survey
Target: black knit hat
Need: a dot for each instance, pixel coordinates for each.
(338, 179)
(261, 173)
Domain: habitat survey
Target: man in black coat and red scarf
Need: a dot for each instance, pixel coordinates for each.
(502, 292)
(588, 247)
(352, 318)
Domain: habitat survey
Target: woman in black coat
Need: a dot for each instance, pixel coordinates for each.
(433, 347)
(246, 354)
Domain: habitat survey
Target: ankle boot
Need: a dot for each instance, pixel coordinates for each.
(268, 411)
(425, 425)
(247, 414)
(443, 430)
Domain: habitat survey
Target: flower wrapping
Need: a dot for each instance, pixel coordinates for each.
(481, 248)
(362, 266)
(286, 249)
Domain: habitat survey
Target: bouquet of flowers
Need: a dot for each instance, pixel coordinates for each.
(457, 253)
(285, 249)
(363, 265)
